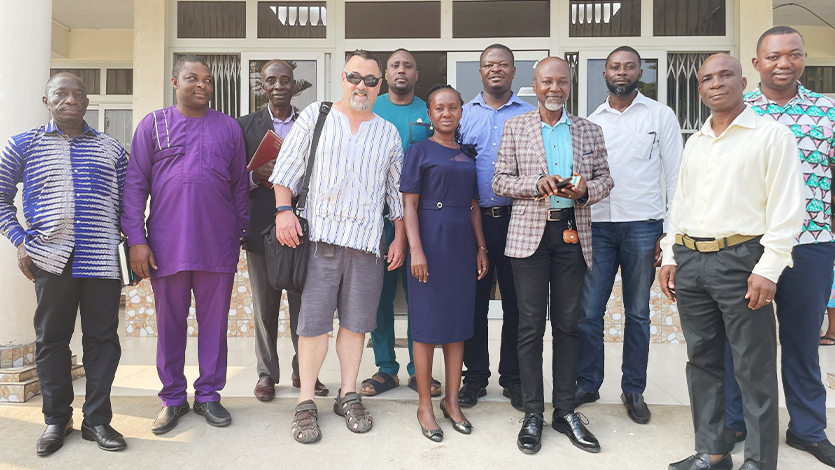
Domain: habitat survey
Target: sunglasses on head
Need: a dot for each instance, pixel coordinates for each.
(355, 79)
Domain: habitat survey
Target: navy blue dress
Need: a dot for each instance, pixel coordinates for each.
(441, 310)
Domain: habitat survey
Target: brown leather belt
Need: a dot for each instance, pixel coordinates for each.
(711, 246)
(495, 212)
(560, 214)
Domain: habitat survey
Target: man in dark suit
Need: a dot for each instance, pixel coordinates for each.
(279, 86)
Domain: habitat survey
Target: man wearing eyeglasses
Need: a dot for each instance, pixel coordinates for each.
(356, 172)
(643, 141)
(482, 125)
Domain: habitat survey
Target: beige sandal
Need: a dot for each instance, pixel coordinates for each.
(350, 407)
(306, 423)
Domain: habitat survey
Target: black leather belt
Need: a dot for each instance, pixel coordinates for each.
(560, 214)
(499, 211)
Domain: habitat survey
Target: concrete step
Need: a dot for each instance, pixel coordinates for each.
(19, 392)
(18, 374)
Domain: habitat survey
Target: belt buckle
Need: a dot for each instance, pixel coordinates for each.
(494, 211)
(708, 247)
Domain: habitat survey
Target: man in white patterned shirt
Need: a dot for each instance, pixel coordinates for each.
(356, 171)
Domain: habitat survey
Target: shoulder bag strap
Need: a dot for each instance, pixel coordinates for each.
(324, 109)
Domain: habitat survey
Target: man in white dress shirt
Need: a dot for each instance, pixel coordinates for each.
(736, 214)
(643, 140)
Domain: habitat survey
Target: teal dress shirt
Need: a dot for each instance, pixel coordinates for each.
(559, 154)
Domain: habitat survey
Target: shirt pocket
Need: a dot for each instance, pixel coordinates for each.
(640, 146)
(218, 169)
(168, 160)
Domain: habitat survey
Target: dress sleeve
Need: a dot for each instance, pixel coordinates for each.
(410, 178)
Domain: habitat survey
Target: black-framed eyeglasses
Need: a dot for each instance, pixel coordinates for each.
(355, 79)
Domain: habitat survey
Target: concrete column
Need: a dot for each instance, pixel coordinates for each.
(150, 78)
(25, 38)
(753, 18)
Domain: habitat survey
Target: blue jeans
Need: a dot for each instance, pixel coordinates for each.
(630, 246)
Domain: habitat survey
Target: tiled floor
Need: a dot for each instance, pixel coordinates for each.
(137, 375)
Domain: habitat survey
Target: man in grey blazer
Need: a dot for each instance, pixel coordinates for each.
(549, 241)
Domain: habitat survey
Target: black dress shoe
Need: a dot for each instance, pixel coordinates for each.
(749, 466)
(514, 392)
(215, 413)
(52, 438)
(731, 437)
(702, 462)
(167, 418)
(572, 425)
(581, 398)
(823, 450)
(530, 436)
(469, 395)
(636, 408)
(106, 437)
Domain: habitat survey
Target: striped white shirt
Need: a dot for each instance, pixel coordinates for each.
(353, 177)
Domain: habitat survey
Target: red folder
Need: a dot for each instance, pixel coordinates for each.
(266, 152)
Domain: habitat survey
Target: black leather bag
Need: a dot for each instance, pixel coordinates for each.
(286, 266)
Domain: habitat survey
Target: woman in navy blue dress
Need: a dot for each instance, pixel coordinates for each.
(443, 226)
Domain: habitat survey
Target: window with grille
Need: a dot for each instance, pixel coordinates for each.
(689, 18)
(226, 71)
(292, 19)
(90, 77)
(820, 79)
(370, 20)
(211, 19)
(501, 19)
(573, 59)
(683, 89)
(596, 18)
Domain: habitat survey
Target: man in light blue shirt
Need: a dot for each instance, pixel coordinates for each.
(482, 125)
(559, 154)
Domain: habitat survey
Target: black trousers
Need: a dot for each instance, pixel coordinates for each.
(266, 303)
(557, 269)
(710, 292)
(476, 356)
(59, 299)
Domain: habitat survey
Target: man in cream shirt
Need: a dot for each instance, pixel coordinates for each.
(736, 213)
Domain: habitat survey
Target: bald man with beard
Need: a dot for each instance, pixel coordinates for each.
(736, 213)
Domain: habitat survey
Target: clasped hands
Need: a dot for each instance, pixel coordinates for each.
(547, 186)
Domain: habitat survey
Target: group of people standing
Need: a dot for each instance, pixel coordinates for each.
(551, 204)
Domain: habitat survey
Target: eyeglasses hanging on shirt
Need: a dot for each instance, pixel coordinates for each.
(654, 137)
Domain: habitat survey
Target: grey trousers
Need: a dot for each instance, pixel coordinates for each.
(710, 290)
(266, 302)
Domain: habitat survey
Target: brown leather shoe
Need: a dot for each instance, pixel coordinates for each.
(320, 390)
(265, 389)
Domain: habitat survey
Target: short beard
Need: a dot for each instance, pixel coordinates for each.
(359, 106)
(553, 105)
(621, 90)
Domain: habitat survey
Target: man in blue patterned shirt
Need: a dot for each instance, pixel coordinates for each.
(72, 179)
(803, 289)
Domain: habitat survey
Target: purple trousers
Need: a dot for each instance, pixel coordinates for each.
(172, 297)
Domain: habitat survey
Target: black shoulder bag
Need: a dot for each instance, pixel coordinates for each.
(286, 266)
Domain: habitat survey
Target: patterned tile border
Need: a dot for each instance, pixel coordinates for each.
(17, 356)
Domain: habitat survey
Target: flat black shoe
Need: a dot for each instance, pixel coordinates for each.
(702, 462)
(464, 427)
(52, 438)
(167, 418)
(573, 426)
(469, 395)
(581, 398)
(215, 413)
(435, 435)
(636, 407)
(514, 392)
(823, 450)
(731, 437)
(748, 466)
(105, 436)
(529, 440)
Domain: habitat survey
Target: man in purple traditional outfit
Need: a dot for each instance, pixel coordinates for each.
(190, 159)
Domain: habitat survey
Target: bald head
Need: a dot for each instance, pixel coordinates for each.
(62, 76)
(722, 61)
(721, 83)
(275, 63)
(550, 63)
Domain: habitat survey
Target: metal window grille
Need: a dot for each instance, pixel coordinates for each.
(573, 59)
(226, 70)
(90, 77)
(596, 18)
(211, 19)
(820, 79)
(683, 90)
(292, 19)
(689, 18)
